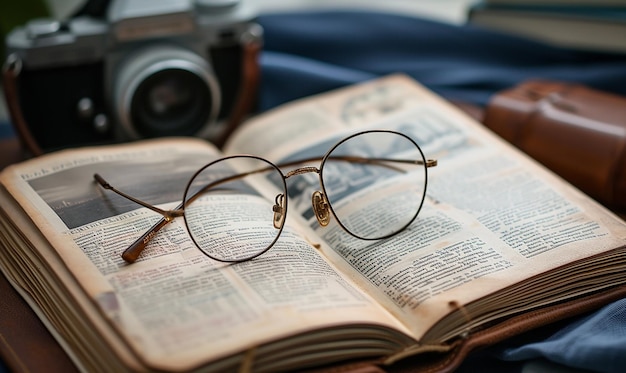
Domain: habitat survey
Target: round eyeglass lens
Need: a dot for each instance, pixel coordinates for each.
(226, 218)
(375, 183)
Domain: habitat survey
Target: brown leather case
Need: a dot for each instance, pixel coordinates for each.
(578, 132)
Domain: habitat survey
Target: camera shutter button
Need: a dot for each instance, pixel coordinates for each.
(86, 111)
(101, 123)
(42, 27)
(85, 108)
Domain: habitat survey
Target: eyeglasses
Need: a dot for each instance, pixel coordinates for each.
(372, 182)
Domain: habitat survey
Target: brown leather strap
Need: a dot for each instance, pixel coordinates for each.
(10, 72)
(250, 76)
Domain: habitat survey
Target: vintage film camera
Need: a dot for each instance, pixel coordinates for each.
(142, 69)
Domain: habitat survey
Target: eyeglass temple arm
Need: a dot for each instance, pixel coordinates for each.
(133, 251)
(131, 254)
(382, 161)
(378, 161)
(166, 214)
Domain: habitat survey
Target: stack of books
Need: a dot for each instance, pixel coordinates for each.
(579, 24)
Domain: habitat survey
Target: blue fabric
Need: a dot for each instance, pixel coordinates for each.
(596, 342)
(311, 52)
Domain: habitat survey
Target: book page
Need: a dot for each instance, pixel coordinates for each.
(175, 307)
(492, 217)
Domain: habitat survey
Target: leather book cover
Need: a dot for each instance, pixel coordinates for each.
(576, 131)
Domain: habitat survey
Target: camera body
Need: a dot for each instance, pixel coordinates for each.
(173, 68)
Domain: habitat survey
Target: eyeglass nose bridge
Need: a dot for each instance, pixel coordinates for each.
(320, 204)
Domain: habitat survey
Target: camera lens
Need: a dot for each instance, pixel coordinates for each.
(165, 90)
(171, 102)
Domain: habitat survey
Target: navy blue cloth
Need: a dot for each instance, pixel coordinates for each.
(595, 343)
(312, 52)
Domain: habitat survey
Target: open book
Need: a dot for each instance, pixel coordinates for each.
(498, 239)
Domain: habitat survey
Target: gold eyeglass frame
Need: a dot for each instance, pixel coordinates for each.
(321, 207)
